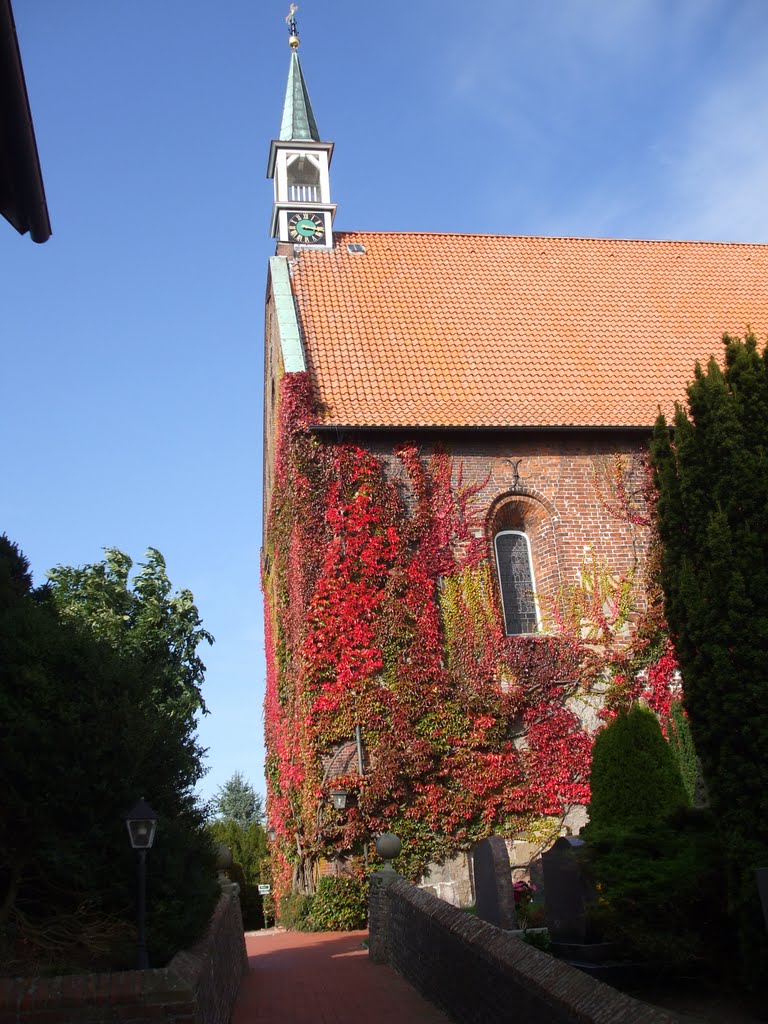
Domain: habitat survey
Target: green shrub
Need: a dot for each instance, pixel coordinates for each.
(661, 889)
(536, 916)
(340, 904)
(656, 862)
(294, 912)
(538, 939)
(634, 778)
(251, 903)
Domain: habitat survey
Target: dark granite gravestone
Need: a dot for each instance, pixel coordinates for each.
(494, 895)
(762, 888)
(568, 892)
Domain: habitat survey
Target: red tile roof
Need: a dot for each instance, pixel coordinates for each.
(489, 330)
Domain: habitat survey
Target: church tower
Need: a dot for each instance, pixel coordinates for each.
(302, 212)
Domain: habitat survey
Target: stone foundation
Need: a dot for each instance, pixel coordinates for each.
(451, 881)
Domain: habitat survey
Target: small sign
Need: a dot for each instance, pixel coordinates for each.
(265, 890)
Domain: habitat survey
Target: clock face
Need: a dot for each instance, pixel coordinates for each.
(306, 228)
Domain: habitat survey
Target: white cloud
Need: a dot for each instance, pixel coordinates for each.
(573, 43)
(629, 118)
(705, 180)
(719, 168)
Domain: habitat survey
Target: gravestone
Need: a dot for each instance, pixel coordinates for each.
(762, 888)
(568, 891)
(494, 895)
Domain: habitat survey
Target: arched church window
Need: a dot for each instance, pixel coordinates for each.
(516, 582)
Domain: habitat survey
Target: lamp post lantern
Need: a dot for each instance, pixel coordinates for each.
(142, 825)
(339, 798)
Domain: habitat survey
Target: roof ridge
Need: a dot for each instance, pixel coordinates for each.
(553, 238)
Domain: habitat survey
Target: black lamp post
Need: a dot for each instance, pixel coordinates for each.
(142, 824)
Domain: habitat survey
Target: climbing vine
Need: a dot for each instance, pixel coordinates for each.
(381, 618)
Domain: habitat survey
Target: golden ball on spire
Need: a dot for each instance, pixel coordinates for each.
(293, 42)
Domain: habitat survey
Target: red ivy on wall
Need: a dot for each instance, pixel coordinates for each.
(380, 614)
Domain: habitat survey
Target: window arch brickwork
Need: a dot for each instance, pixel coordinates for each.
(529, 515)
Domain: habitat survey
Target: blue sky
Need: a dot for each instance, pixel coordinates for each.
(131, 411)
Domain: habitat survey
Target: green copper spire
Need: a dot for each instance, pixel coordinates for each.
(298, 120)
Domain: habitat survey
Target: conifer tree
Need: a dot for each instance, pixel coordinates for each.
(654, 859)
(238, 801)
(681, 743)
(239, 825)
(712, 476)
(634, 778)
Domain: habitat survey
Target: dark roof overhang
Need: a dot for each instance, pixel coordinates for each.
(436, 428)
(22, 195)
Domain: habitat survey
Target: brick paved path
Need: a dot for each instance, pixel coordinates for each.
(324, 978)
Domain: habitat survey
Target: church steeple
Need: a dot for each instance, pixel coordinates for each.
(302, 213)
(298, 116)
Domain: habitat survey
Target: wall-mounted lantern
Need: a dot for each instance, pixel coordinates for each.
(339, 798)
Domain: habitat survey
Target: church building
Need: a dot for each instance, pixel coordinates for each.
(458, 558)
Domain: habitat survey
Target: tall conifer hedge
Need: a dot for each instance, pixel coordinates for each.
(712, 475)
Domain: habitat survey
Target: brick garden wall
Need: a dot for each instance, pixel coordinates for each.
(199, 985)
(477, 973)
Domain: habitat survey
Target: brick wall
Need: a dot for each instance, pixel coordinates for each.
(199, 986)
(476, 972)
(559, 500)
(555, 501)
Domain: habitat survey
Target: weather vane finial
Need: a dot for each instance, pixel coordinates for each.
(293, 33)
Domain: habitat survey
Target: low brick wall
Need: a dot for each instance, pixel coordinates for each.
(199, 986)
(477, 973)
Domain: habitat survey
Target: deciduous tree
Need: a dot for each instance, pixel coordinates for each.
(82, 736)
(141, 618)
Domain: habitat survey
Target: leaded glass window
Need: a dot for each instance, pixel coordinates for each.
(513, 563)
